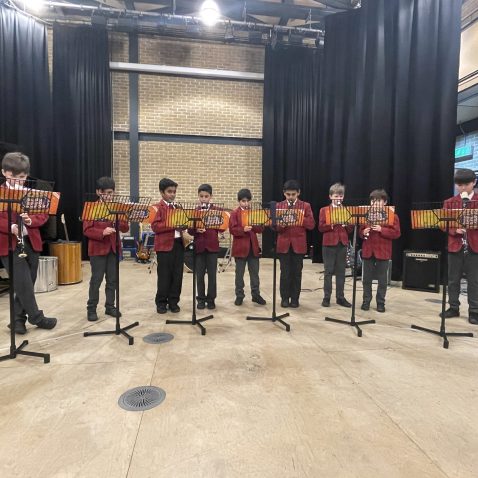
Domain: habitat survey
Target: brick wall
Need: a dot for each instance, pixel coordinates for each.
(227, 168)
(469, 139)
(177, 105)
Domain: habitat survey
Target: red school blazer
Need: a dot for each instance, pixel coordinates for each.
(33, 232)
(333, 234)
(455, 241)
(99, 245)
(207, 241)
(379, 244)
(295, 236)
(164, 235)
(242, 241)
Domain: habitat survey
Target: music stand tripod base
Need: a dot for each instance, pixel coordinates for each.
(443, 334)
(352, 323)
(277, 318)
(197, 322)
(19, 351)
(117, 331)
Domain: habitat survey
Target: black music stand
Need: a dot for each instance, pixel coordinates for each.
(271, 216)
(116, 207)
(356, 215)
(432, 216)
(189, 215)
(21, 198)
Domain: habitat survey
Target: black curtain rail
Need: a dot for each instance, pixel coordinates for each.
(185, 138)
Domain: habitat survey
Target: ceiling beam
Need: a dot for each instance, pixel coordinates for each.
(284, 19)
(234, 9)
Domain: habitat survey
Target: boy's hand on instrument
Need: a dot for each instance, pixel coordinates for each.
(15, 229)
(377, 228)
(366, 231)
(26, 219)
(247, 228)
(107, 231)
(460, 231)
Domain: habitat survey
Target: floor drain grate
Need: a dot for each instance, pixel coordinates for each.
(141, 398)
(158, 338)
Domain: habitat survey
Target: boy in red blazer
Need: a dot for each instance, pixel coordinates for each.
(335, 240)
(292, 245)
(102, 251)
(206, 244)
(15, 169)
(463, 249)
(245, 250)
(377, 252)
(169, 248)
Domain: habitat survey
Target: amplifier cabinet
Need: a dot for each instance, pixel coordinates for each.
(421, 270)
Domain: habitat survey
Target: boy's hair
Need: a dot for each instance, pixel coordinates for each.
(105, 183)
(166, 183)
(292, 185)
(378, 194)
(464, 176)
(337, 188)
(16, 163)
(207, 188)
(244, 194)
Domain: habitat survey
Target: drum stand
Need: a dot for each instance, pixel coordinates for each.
(14, 350)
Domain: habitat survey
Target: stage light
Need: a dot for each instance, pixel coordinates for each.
(209, 13)
(34, 5)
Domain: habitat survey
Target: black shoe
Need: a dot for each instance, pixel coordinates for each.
(451, 312)
(46, 323)
(92, 316)
(259, 300)
(211, 305)
(174, 308)
(284, 303)
(294, 304)
(19, 326)
(239, 301)
(344, 303)
(161, 309)
(201, 305)
(380, 307)
(325, 302)
(365, 306)
(473, 319)
(111, 311)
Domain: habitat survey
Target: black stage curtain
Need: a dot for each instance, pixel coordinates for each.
(388, 107)
(290, 124)
(25, 103)
(82, 114)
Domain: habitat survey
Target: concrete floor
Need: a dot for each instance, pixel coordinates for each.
(246, 400)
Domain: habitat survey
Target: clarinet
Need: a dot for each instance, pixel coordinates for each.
(465, 201)
(20, 238)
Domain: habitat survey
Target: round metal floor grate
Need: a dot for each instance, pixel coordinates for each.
(141, 398)
(158, 338)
